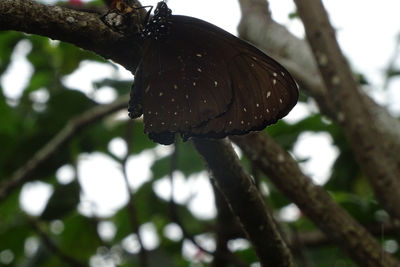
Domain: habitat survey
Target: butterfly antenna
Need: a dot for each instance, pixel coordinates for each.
(146, 19)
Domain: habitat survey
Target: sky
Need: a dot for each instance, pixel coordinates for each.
(367, 33)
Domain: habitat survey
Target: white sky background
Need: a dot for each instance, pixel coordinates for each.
(366, 31)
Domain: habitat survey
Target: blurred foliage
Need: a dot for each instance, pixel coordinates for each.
(26, 126)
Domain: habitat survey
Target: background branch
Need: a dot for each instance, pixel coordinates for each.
(258, 27)
(314, 201)
(356, 119)
(53, 247)
(134, 220)
(71, 128)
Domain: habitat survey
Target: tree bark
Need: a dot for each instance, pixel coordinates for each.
(245, 201)
(314, 201)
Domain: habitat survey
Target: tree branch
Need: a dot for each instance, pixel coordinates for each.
(71, 128)
(245, 201)
(83, 29)
(355, 117)
(315, 202)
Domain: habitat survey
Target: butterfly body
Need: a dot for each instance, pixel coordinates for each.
(199, 80)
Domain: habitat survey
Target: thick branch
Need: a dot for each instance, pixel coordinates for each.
(71, 128)
(245, 201)
(315, 202)
(82, 29)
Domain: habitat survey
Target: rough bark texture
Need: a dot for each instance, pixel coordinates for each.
(314, 201)
(85, 30)
(245, 201)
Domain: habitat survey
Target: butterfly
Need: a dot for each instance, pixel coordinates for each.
(197, 80)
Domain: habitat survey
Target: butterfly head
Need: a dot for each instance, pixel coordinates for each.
(158, 26)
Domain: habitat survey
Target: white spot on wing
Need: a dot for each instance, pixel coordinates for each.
(160, 94)
(268, 94)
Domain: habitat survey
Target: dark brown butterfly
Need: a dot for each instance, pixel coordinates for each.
(199, 80)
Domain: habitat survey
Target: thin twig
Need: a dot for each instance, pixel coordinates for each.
(392, 62)
(172, 205)
(53, 247)
(72, 128)
(131, 203)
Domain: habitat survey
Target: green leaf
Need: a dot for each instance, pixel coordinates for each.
(286, 134)
(122, 87)
(79, 238)
(64, 199)
(140, 141)
(361, 208)
(14, 227)
(188, 161)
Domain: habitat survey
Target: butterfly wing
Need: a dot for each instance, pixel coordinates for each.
(180, 83)
(263, 90)
(202, 81)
